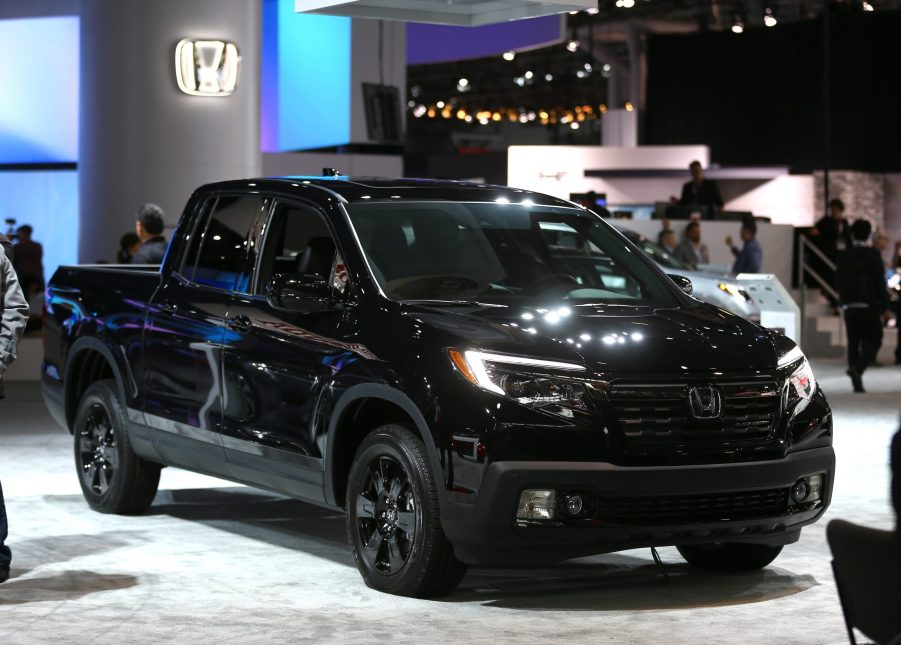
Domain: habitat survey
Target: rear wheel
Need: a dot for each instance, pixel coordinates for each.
(393, 522)
(729, 556)
(113, 478)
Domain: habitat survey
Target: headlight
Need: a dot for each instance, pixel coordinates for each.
(801, 383)
(735, 291)
(525, 380)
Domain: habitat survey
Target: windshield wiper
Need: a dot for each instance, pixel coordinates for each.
(450, 303)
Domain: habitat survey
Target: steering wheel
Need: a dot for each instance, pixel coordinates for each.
(556, 279)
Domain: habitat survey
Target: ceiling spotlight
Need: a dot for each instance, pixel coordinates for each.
(587, 67)
(738, 27)
(439, 104)
(529, 75)
(520, 80)
(629, 107)
(574, 125)
(605, 70)
(415, 91)
(592, 11)
(572, 45)
(769, 19)
(625, 4)
(548, 77)
(419, 111)
(581, 73)
(509, 55)
(463, 85)
(867, 6)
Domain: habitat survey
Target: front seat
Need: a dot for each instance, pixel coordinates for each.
(318, 257)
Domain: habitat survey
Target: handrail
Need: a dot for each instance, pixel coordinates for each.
(804, 267)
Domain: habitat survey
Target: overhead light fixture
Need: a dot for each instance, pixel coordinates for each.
(587, 67)
(463, 85)
(572, 45)
(867, 6)
(769, 19)
(520, 80)
(629, 107)
(419, 111)
(592, 11)
(529, 75)
(509, 55)
(548, 77)
(625, 4)
(738, 27)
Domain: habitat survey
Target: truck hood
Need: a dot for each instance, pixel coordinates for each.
(611, 338)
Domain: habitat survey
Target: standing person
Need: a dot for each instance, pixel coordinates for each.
(860, 280)
(129, 245)
(29, 262)
(13, 316)
(691, 251)
(750, 258)
(701, 192)
(832, 234)
(149, 227)
(667, 240)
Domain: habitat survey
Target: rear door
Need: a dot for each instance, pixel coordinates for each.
(187, 324)
(281, 362)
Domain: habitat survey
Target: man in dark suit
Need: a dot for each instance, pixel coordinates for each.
(701, 193)
(149, 228)
(860, 280)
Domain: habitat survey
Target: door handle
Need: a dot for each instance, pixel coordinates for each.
(240, 323)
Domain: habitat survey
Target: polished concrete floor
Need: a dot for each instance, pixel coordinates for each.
(214, 562)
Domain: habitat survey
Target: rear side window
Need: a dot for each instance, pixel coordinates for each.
(222, 258)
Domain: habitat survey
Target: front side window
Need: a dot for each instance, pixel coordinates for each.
(501, 252)
(222, 258)
(298, 241)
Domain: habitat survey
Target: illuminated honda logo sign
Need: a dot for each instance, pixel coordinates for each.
(207, 67)
(706, 402)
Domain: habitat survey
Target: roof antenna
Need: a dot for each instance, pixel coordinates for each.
(330, 172)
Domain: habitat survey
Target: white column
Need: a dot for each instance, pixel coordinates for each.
(142, 139)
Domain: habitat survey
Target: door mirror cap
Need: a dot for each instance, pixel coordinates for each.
(298, 291)
(682, 282)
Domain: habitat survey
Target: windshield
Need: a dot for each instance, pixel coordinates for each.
(491, 252)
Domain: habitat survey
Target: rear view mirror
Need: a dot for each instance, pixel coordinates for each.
(682, 282)
(298, 291)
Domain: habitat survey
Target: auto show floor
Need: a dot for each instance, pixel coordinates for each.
(216, 562)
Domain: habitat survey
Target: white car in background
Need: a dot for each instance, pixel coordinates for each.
(721, 290)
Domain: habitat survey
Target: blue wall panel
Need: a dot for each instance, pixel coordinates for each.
(305, 79)
(48, 200)
(39, 59)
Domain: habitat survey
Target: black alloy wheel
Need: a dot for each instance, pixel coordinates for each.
(113, 478)
(393, 517)
(98, 458)
(386, 515)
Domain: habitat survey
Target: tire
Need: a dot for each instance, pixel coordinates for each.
(729, 556)
(396, 536)
(113, 478)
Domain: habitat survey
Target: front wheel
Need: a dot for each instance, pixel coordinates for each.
(393, 520)
(729, 556)
(113, 478)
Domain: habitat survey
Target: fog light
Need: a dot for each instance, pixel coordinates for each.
(574, 504)
(807, 489)
(536, 505)
(799, 491)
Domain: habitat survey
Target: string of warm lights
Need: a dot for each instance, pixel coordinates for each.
(572, 116)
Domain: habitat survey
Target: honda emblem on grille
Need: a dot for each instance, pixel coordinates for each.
(705, 402)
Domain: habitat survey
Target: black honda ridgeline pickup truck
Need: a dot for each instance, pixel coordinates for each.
(474, 374)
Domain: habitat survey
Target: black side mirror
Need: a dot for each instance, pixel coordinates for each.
(298, 291)
(682, 282)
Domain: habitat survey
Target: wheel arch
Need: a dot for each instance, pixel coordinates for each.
(383, 404)
(90, 360)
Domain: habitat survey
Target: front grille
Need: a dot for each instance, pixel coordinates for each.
(654, 417)
(638, 511)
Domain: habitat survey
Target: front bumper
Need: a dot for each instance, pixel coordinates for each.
(487, 532)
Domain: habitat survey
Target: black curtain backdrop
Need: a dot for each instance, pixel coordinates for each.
(757, 97)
